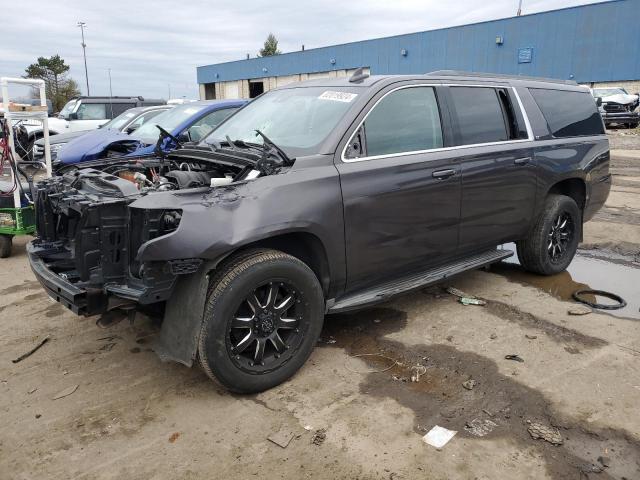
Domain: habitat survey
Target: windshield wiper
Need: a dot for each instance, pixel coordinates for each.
(164, 134)
(268, 142)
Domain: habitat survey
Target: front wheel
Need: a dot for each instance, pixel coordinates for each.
(262, 318)
(553, 241)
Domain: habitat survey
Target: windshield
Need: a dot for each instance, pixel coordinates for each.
(67, 109)
(120, 121)
(169, 120)
(607, 92)
(298, 120)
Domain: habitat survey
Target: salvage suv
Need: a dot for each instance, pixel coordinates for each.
(319, 197)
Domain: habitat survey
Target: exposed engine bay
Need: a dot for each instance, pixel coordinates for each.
(193, 167)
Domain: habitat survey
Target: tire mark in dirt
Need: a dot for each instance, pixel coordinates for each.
(555, 332)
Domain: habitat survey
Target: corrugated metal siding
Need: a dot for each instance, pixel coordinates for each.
(590, 43)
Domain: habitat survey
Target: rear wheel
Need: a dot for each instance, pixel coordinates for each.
(553, 241)
(6, 242)
(262, 319)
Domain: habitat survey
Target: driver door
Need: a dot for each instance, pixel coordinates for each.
(401, 191)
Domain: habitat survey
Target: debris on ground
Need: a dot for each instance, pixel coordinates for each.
(514, 357)
(107, 347)
(38, 415)
(32, 390)
(587, 468)
(472, 301)
(579, 310)
(530, 337)
(469, 384)
(174, 436)
(66, 392)
(319, 436)
(544, 432)
(32, 351)
(392, 363)
(458, 293)
(480, 427)
(418, 371)
(449, 338)
(328, 341)
(282, 437)
(438, 436)
(604, 461)
(493, 336)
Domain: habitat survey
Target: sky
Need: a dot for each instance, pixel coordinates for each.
(154, 46)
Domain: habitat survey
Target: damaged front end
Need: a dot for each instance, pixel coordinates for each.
(621, 109)
(93, 221)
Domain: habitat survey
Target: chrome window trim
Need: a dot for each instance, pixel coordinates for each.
(439, 149)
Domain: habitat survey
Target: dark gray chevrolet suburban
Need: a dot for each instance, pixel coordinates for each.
(321, 197)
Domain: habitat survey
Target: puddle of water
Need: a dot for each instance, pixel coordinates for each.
(589, 269)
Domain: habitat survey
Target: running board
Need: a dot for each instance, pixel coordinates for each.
(381, 293)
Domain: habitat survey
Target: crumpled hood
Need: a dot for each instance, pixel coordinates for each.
(92, 145)
(620, 98)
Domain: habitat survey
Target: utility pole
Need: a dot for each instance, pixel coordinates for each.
(82, 26)
(110, 94)
(169, 91)
(519, 9)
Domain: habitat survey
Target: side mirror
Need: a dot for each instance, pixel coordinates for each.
(130, 130)
(184, 137)
(599, 101)
(73, 116)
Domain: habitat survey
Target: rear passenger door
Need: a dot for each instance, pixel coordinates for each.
(401, 193)
(497, 164)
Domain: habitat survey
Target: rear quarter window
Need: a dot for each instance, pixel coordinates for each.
(568, 114)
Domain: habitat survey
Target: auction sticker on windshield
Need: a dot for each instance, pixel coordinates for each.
(338, 96)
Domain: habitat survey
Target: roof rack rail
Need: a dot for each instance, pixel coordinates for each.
(358, 76)
(460, 73)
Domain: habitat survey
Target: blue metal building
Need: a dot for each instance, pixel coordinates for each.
(593, 43)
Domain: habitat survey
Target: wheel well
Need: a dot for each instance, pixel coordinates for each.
(306, 247)
(572, 187)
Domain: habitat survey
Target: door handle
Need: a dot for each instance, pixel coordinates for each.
(442, 174)
(522, 161)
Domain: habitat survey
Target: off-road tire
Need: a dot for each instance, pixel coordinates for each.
(238, 277)
(6, 242)
(533, 252)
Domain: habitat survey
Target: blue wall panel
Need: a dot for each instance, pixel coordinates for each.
(590, 43)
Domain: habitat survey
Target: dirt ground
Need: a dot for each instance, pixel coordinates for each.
(132, 416)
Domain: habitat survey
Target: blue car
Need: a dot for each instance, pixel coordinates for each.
(189, 122)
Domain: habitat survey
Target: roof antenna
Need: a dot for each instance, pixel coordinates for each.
(358, 76)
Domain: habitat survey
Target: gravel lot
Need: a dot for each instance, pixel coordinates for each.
(132, 416)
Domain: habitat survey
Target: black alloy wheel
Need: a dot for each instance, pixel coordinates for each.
(265, 327)
(560, 237)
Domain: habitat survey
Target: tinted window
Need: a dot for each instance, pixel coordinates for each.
(119, 108)
(480, 115)
(406, 120)
(568, 114)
